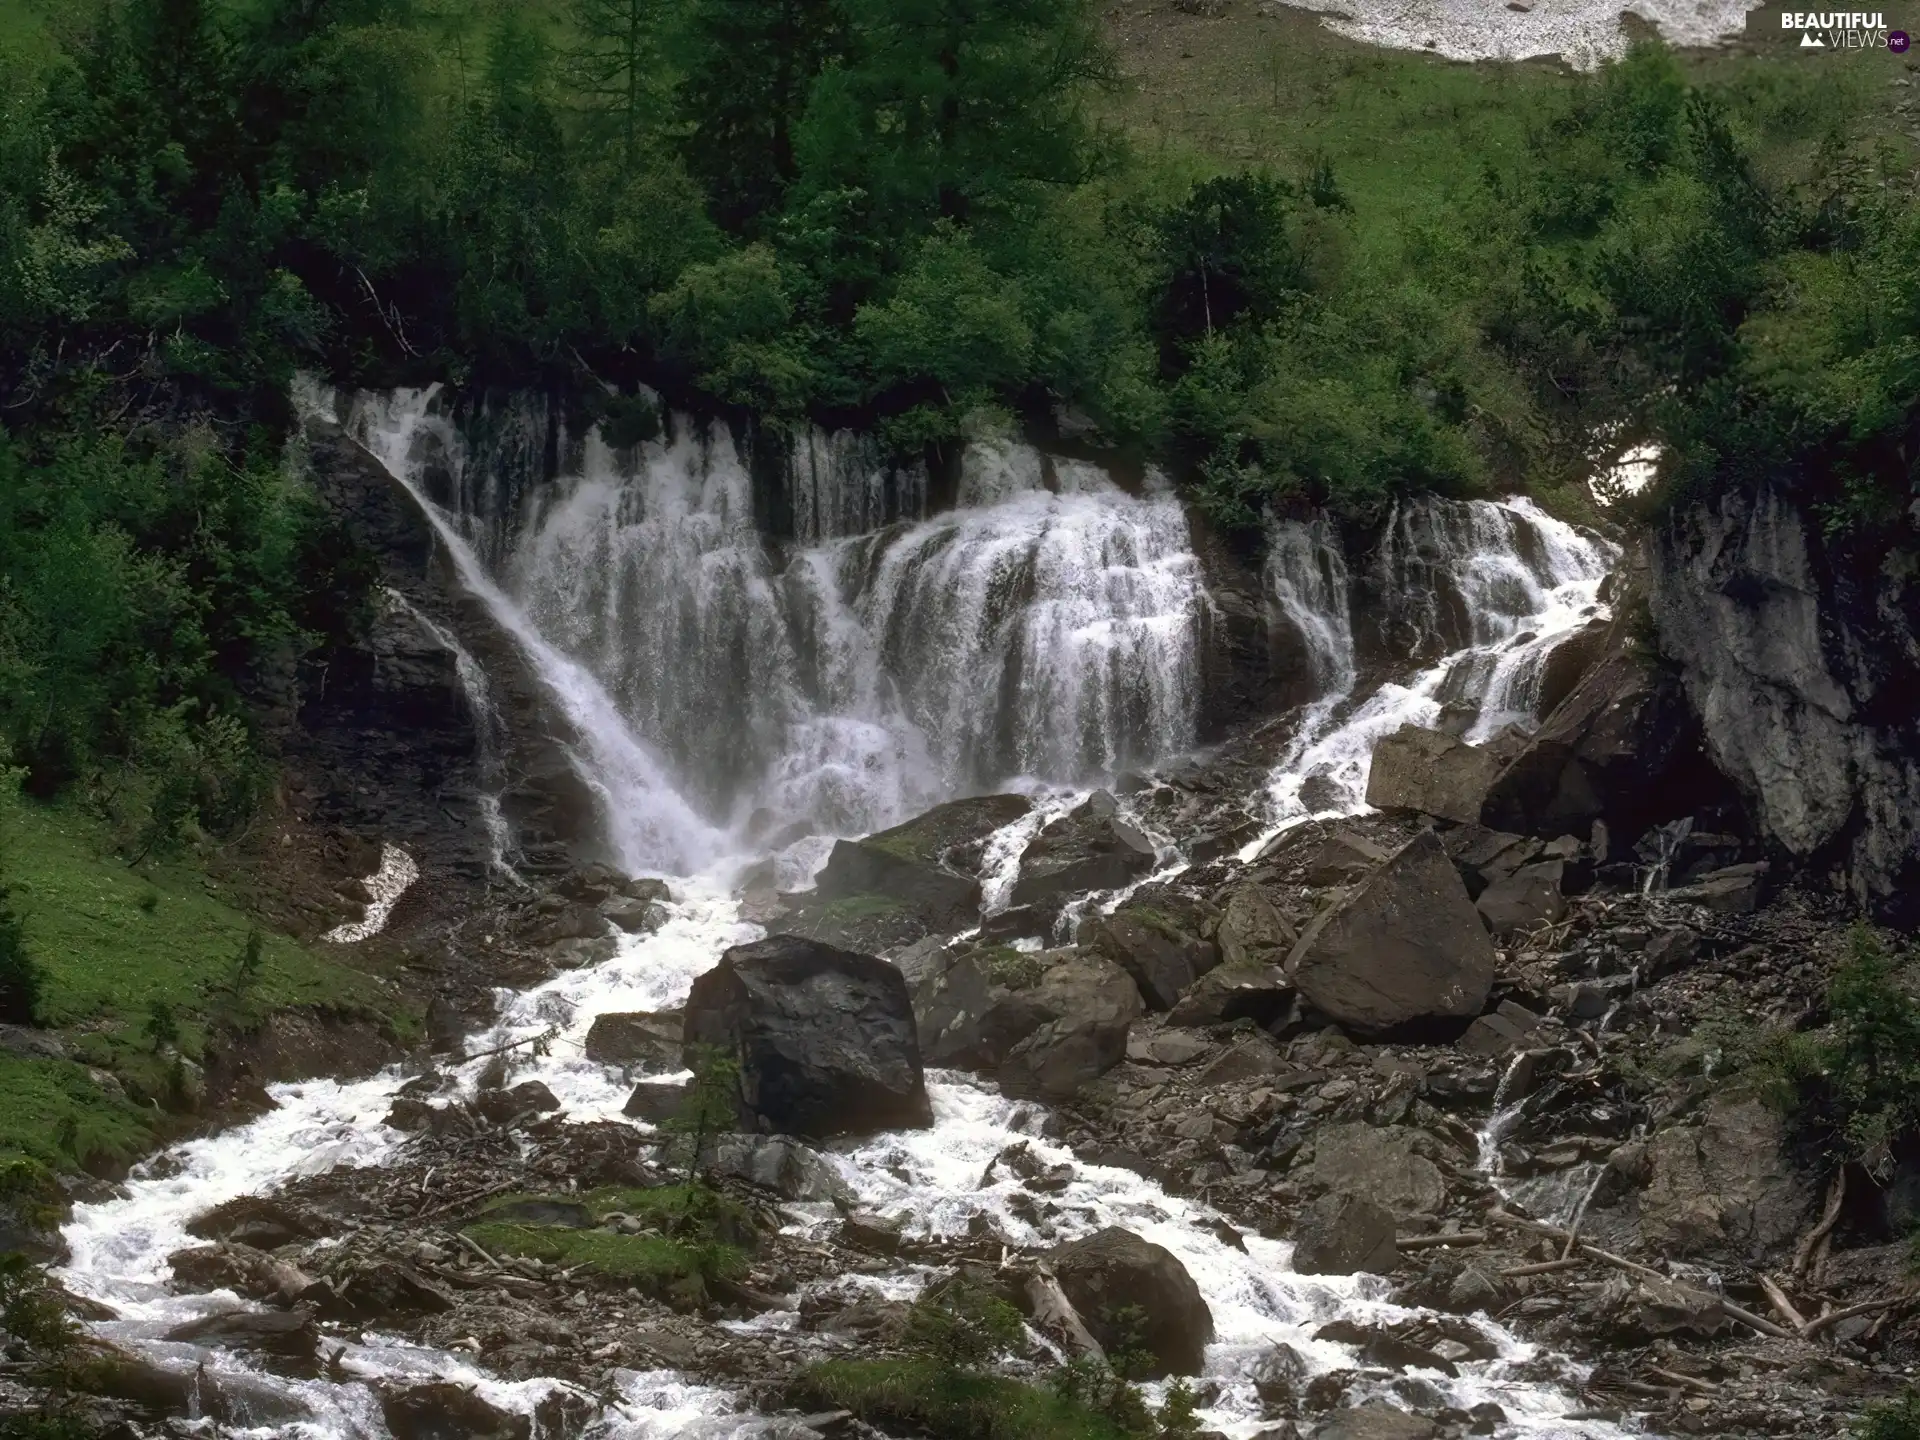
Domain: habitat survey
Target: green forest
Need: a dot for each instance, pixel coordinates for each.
(902, 215)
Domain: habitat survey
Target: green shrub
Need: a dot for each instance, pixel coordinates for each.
(1891, 1420)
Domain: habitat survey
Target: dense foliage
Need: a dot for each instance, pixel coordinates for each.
(892, 213)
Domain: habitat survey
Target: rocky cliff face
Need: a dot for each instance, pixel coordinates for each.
(1804, 671)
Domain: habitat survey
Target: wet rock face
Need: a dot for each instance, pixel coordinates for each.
(930, 865)
(1402, 947)
(825, 1038)
(1801, 670)
(1132, 1292)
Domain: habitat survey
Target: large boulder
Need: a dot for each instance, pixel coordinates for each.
(247, 1272)
(1390, 1165)
(1724, 1188)
(1260, 993)
(651, 1040)
(1135, 1294)
(787, 1168)
(1091, 849)
(1341, 1234)
(931, 864)
(287, 1333)
(440, 1410)
(1152, 947)
(1403, 946)
(1429, 772)
(824, 1038)
(1375, 1420)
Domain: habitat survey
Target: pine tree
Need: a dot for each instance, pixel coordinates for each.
(614, 67)
(749, 67)
(956, 109)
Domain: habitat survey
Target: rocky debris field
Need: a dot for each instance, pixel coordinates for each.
(1500, 1071)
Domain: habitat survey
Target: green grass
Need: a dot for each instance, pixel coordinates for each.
(703, 1236)
(1015, 969)
(923, 1397)
(114, 944)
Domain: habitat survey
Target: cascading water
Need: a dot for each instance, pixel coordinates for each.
(1044, 628)
(1483, 591)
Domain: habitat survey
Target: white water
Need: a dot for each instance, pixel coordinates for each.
(1484, 590)
(1044, 630)
(1517, 580)
(386, 885)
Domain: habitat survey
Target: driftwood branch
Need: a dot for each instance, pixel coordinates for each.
(1428, 1242)
(1834, 1317)
(1782, 1306)
(1055, 1317)
(1836, 1198)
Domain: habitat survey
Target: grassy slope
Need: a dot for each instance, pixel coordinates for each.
(114, 944)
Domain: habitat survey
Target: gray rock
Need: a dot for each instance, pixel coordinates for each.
(1251, 931)
(1150, 946)
(444, 1411)
(1061, 1056)
(1344, 858)
(250, 1273)
(649, 1039)
(1427, 772)
(634, 917)
(576, 921)
(931, 864)
(655, 1101)
(1509, 1028)
(1253, 1058)
(1090, 989)
(1342, 1234)
(1115, 1270)
(1260, 993)
(1633, 1311)
(787, 1168)
(969, 1014)
(1525, 900)
(288, 1333)
(825, 1038)
(1375, 1421)
(1736, 890)
(1404, 945)
(1383, 1163)
(1793, 659)
(1724, 1187)
(1091, 849)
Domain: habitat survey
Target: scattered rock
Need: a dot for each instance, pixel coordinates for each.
(825, 1038)
(1344, 858)
(1252, 932)
(1113, 1270)
(1061, 1056)
(250, 1273)
(1404, 945)
(1341, 1234)
(1260, 993)
(263, 1223)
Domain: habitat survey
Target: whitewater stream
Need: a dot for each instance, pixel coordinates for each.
(1040, 636)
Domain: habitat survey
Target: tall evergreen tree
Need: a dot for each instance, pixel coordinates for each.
(749, 66)
(950, 109)
(614, 67)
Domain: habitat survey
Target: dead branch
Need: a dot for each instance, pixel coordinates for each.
(1782, 1306)
(1834, 1317)
(1836, 1197)
(1427, 1242)
(1689, 1382)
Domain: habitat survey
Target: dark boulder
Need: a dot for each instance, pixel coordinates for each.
(1375, 1421)
(1091, 849)
(504, 1106)
(655, 1101)
(259, 1221)
(651, 1040)
(1113, 1277)
(1343, 1233)
(1342, 859)
(1428, 772)
(824, 1038)
(1401, 947)
(444, 1411)
(1252, 930)
(1260, 993)
(931, 864)
(973, 1006)
(250, 1273)
(1152, 947)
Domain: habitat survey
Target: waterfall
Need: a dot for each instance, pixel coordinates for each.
(1045, 630)
(1482, 592)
